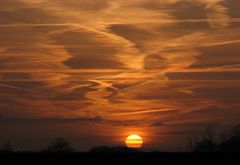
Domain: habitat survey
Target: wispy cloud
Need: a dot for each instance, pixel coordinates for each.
(114, 63)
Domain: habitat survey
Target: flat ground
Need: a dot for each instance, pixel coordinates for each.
(120, 158)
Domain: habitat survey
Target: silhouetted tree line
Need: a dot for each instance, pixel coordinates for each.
(118, 149)
(61, 145)
(56, 146)
(227, 142)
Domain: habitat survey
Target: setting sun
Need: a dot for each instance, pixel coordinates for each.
(134, 141)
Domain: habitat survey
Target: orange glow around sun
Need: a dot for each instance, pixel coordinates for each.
(134, 141)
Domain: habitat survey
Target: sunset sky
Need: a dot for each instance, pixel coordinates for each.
(96, 71)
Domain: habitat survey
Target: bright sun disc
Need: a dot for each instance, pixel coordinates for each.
(134, 141)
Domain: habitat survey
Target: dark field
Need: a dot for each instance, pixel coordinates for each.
(119, 158)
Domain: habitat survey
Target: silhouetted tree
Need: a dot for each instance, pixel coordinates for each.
(118, 149)
(7, 147)
(207, 143)
(228, 142)
(231, 141)
(60, 145)
(192, 142)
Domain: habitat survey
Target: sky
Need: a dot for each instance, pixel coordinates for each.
(97, 71)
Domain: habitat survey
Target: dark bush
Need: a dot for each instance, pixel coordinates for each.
(60, 145)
